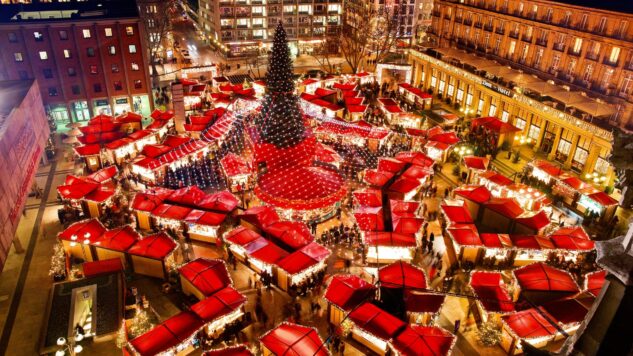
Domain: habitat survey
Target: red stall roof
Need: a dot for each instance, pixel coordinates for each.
(369, 218)
(416, 158)
(223, 202)
(78, 188)
(402, 275)
(90, 229)
(241, 236)
(575, 231)
(529, 324)
(404, 185)
(146, 201)
(417, 172)
(496, 178)
(477, 193)
(490, 290)
(293, 339)
(376, 321)
(457, 214)
(566, 311)
(474, 162)
(169, 211)
(260, 216)
(536, 221)
(347, 86)
(303, 258)
(385, 238)
(348, 291)
(447, 138)
(422, 302)
(541, 277)
(377, 178)
(368, 197)
(162, 115)
(603, 199)
(186, 196)
(465, 235)
(405, 223)
(388, 164)
(575, 183)
(168, 334)
(207, 218)
(98, 268)
(401, 206)
(207, 275)
(548, 167)
(265, 251)
(594, 282)
(88, 150)
(494, 124)
(507, 207)
(234, 165)
(292, 234)
(219, 304)
(569, 242)
(118, 239)
(104, 174)
(156, 246)
(531, 242)
(496, 240)
(418, 340)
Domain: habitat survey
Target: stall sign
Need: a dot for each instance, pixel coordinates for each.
(497, 88)
(120, 101)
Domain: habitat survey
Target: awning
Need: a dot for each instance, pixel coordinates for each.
(304, 258)
(541, 277)
(376, 321)
(170, 333)
(348, 291)
(260, 216)
(221, 303)
(416, 340)
(157, 246)
(457, 214)
(477, 193)
(529, 324)
(118, 239)
(85, 231)
(292, 234)
(402, 275)
(207, 275)
(294, 339)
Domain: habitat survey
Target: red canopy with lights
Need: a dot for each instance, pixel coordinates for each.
(457, 214)
(465, 235)
(294, 339)
(418, 340)
(170, 333)
(376, 321)
(402, 275)
(219, 304)
(118, 239)
(529, 324)
(477, 193)
(422, 302)
(157, 246)
(348, 291)
(536, 221)
(81, 231)
(303, 258)
(541, 277)
(490, 291)
(207, 275)
(292, 234)
(260, 216)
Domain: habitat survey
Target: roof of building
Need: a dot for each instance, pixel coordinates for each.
(63, 11)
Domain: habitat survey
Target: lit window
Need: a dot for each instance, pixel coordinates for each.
(132, 48)
(67, 53)
(138, 84)
(577, 44)
(615, 54)
(86, 33)
(18, 57)
(38, 36)
(118, 85)
(43, 55)
(134, 66)
(112, 50)
(93, 69)
(108, 32)
(129, 30)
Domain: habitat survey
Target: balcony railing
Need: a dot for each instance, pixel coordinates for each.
(592, 56)
(514, 34)
(478, 24)
(526, 38)
(541, 42)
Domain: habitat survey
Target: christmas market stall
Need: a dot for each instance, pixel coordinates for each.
(499, 130)
(465, 244)
(78, 237)
(386, 247)
(319, 102)
(92, 193)
(496, 182)
(153, 255)
(203, 277)
(292, 339)
(474, 197)
(146, 201)
(439, 143)
(237, 172)
(493, 299)
(394, 280)
(344, 293)
(130, 121)
(531, 325)
(257, 217)
(539, 282)
(301, 266)
(91, 154)
(415, 96)
(423, 308)
(123, 149)
(204, 225)
(114, 243)
(220, 310)
(374, 327)
(499, 214)
(391, 109)
(600, 203)
(162, 122)
(355, 107)
(531, 224)
(174, 336)
(474, 166)
(546, 171)
(417, 340)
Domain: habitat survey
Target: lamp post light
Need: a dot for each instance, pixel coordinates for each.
(69, 346)
(521, 140)
(596, 178)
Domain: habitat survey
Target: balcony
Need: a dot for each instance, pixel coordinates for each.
(488, 28)
(478, 24)
(514, 34)
(608, 62)
(559, 47)
(599, 30)
(500, 31)
(592, 56)
(468, 22)
(242, 26)
(526, 38)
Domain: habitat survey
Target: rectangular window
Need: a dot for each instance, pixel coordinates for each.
(67, 53)
(129, 30)
(577, 45)
(615, 54)
(493, 110)
(138, 84)
(13, 38)
(115, 68)
(118, 85)
(18, 57)
(43, 55)
(108, 32)
(97, 88)
(72, 72)
(520, 123)
(86, 33)
(90, 51)
(48, 73)
(93, 69)
(134, 66)
(112, 50)
(534, 132)
(132, 48)
(39, 37)
(63, 35)
(52, 91)
(602, 166)
(76, 90)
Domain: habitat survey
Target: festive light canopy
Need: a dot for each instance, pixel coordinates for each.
(423, 302)
(83, 231)
(402, 275)
(376, 321)
(477, 193)
(294, 339)
(157, 246)
(348, 291)
(207, 275)
(529, 324)
(541, 277)
(170, 333)
(118, 239)
(417, 340)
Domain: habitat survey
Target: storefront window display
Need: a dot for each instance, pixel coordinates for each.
(101, 106)
(141, 105)
(59, 113)
(81, 111)
(580, 155)
(122, 105)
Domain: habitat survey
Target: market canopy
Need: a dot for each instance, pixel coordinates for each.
(474, 162)
(157, 246)
(377, 178)
(531, 242)
(101, 267)
(416, 158)
(388, 164)
(368, 197)
(171, 212)
(405, 222)
(221, 303)
(290, 234)
(477, 193)
(529, 324)
(507, 207)
(541, 277)
(447, 138)
(206, 218)
(603, 199)
(348, 291)
(370, 218)
(457, 214)
(85, 231)
(207, 275)
(423, 302)
(294, 339)
(402, 275)
(118, 239)
(551, 169)
(241, 236)
(186, 196)
(595, 281)
(304, 258)
(494, 124)
(495, 240)
(391, 239)
(465, 235)
(570, 242)
(416, 340)
(260, 216)
(491, 292)
(376, 321)
(535, 221)
(496, 178)
(169, 334)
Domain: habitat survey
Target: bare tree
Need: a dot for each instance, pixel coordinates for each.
(157, 23)
(386, 29)
(355, 35)
(325, 52)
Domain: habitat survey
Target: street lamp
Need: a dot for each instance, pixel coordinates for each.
(69, 345)
(521, 140)
(463, 151)
(596, 178)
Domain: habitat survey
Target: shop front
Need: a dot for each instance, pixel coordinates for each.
(142, 105)
(101, 106)
(80, 111)
(121, 105)
(59, 113)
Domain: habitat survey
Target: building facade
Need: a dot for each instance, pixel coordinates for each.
(587, 49)
(23, 140)
(87, 59)
(244, 27)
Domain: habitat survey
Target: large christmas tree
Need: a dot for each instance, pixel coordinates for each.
(280, 122)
